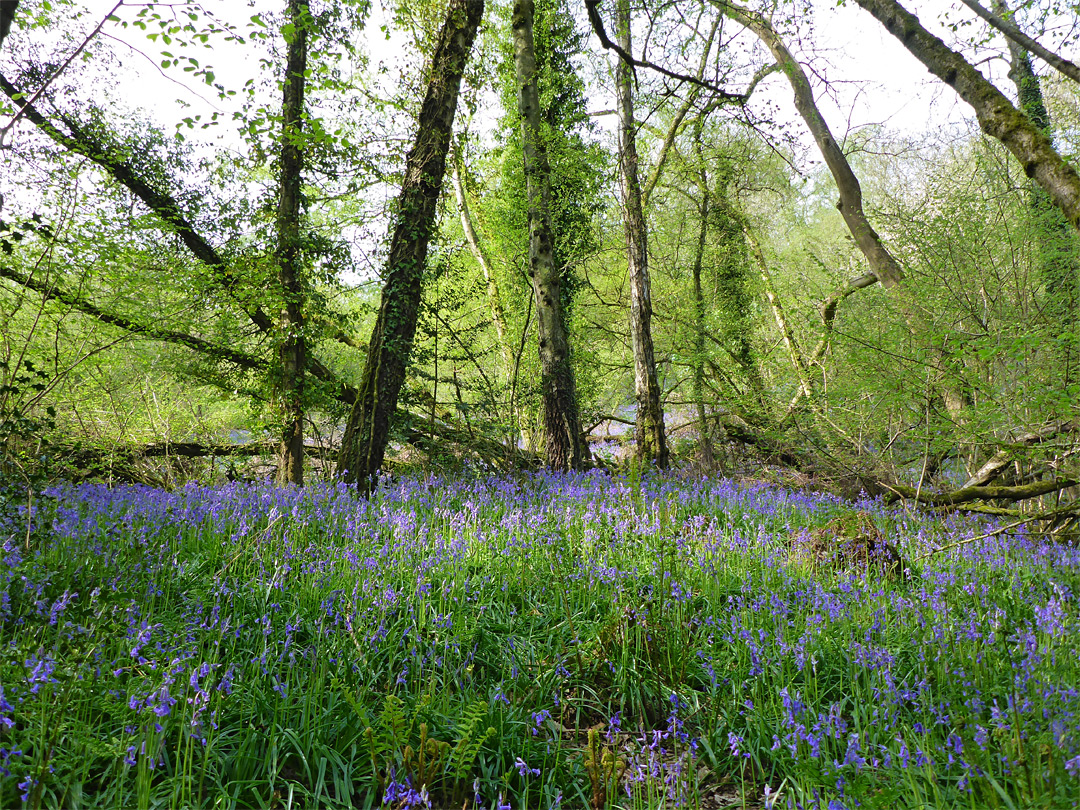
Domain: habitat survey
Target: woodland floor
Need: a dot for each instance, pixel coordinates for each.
(532, 641)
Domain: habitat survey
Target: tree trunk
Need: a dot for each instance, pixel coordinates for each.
(7, 14)
(882, 263)
(562, 427)
(707, 455)
(498, 314)
(997, 116)
(649, 435)
(367, 432)
(291, 347)
(1059, 268)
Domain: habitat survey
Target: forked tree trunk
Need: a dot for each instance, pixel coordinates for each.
(562, 426)
(650, 440)
(292, 349)
(367, 432)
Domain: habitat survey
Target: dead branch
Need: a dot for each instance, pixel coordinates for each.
(979, 493)
(1001, 459)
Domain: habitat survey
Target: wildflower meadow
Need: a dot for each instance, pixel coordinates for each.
(531, 641)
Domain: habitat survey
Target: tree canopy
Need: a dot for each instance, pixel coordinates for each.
(702, 214)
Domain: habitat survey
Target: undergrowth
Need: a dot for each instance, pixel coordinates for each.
(579, 641)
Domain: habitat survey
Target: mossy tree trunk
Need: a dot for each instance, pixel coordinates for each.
(367, 431)
(650, 441)
(564, 445)
(997, 116)
(289, 254)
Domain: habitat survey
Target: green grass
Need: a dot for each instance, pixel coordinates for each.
(581, 641)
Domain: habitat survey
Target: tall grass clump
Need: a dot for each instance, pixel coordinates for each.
(544, 641)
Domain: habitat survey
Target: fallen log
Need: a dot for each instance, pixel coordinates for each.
(978, 493)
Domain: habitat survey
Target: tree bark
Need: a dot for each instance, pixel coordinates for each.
(7, 14)
(996, 115)
(367, 432)
(564, 447)
(882, 263)
(650, 441)
(1059, 266)
(292, 348)
(708, 457)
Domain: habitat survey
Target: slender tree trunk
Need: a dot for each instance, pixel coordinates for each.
(798, 362)
(562, 426)
(495, 303)
(649, 423)
(708, 457)
(367, 432)
(997, 116)
(882, 263)
(291, 346)
(498, 313)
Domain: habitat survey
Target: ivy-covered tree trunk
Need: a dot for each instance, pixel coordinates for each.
(562, 427)
(367, 431)
(649, 435)
(289, 254)
(1059, 265)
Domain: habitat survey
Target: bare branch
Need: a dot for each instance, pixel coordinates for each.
(1062, 65)
(593, 9)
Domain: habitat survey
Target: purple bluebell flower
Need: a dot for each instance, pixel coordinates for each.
(524, 769)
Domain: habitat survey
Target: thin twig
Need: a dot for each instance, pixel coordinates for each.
(1041, 516)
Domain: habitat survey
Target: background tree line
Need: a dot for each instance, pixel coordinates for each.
(563, 227)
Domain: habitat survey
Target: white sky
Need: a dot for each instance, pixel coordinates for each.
(876, 80)
(873, 80)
